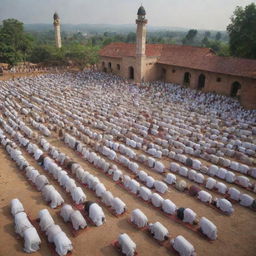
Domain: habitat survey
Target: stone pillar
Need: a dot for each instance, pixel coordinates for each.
(140, 45)
(56, 24)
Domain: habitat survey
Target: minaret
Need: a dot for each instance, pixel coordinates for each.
(140, 44)
(56, 23)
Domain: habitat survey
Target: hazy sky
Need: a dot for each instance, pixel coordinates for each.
(200, 14)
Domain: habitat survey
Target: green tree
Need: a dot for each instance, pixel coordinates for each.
(190, 36)
(242, 32)
(218, 36)
(15, 44)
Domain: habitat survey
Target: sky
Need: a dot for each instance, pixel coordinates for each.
(198, 14)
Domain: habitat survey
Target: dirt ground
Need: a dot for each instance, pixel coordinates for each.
(236, 233)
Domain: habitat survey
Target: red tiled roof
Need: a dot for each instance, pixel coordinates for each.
(186, 56)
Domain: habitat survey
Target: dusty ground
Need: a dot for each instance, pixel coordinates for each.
(236, 233)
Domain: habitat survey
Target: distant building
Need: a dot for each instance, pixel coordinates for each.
(56, 23)
(195, 67)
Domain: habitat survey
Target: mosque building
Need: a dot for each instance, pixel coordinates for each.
(194, 67)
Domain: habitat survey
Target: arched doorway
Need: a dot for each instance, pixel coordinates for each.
(235, 89)
(163, 74)
(186, 79)
(201, 82)
(105, 70)
(110, 66)
(131, 73)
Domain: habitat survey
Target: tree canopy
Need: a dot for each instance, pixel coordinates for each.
(15, 44)
(242, 32)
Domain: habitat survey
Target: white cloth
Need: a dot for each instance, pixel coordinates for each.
(224, 205)
(168, 206)
(78, 195)
(41, 181)
(160, 186)
(204, 196)
(107, 198)
(221, 187)
(66, 211)
(189, 216)
(139, 218)
(150, 182)
(31, 240)
(62, 244)
(128, 247)
(199, 178)
(55, 198)
(159, 231)
(77, 220)
(156, 200)
(170, 178)
(234, 193)
(208, 228)
(16, 206)
(100, 189)
(134, 186)
(21, 223)
(96, 214)
(210, 183)
(142, 176)
(243, 181)
(230, 177)
(183, 246)
(246, 200)
(145, 193)
(52, 231)
(118, 205)
(46, 219)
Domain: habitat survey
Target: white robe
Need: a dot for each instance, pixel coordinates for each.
(159, 231)
(234, 193)
(66, 211)
(107, 198)
(52, 231)
(118, 205)
(168, 206)
(145, 193)
(16, 206)
(183, 246)
(204, 196)
(62, 243)
(128, 247)
(21, 223)
(31, 240)
(77, 220)
(208, 228)
(46, 219)
(189, 216)
(160, 187)
(170, 178)
(225, 205)
(210, 183)
(156, 200)
(96, 214)
(78, 195)
(246, 200)
(139, 218)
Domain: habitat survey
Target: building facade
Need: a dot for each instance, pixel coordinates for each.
(195, 67)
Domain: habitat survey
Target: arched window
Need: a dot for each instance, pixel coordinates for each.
(103, 64)
(186, 79)
(109, 65)
(235, 89)
(118, 66)
(201, 82)
(131, 73)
